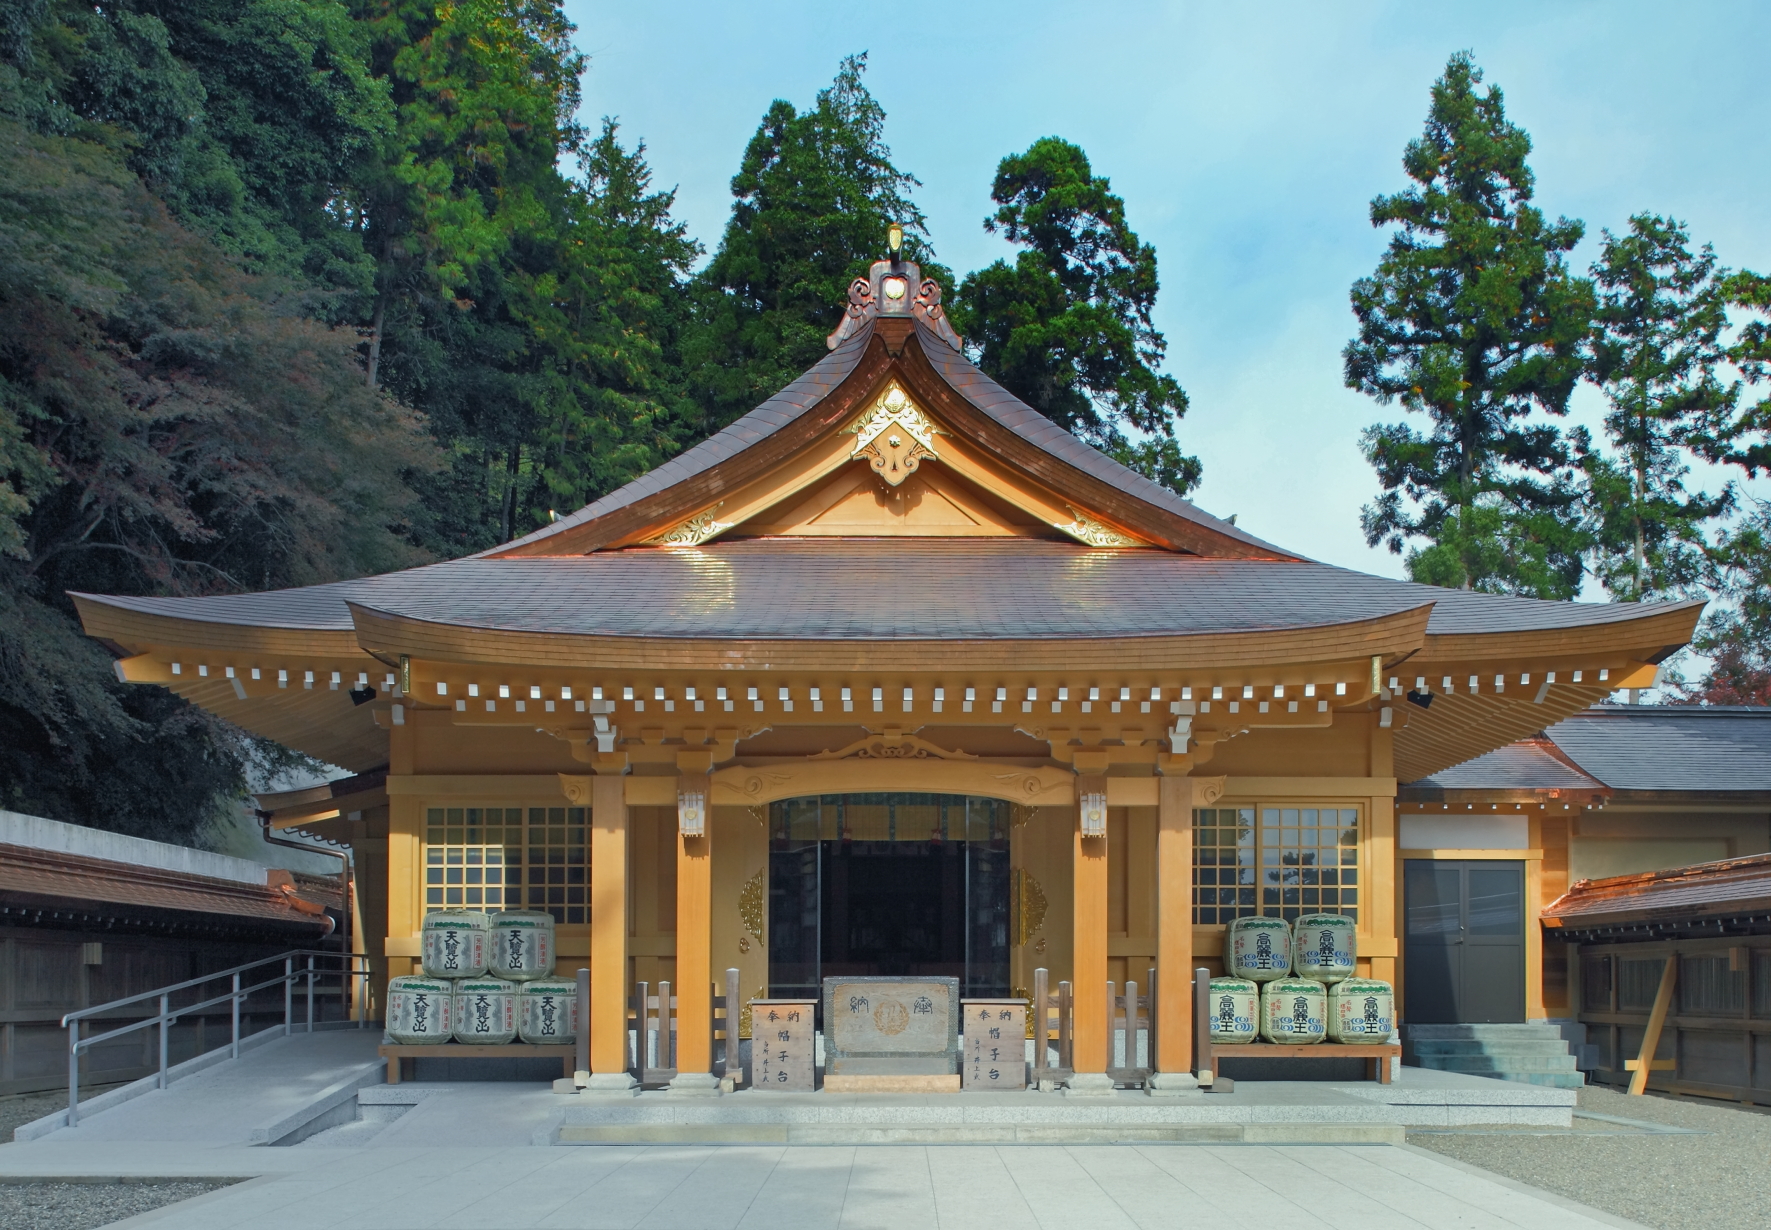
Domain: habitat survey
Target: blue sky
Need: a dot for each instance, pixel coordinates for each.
(1247, 142)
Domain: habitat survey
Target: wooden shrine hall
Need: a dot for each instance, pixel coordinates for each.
(892, 676)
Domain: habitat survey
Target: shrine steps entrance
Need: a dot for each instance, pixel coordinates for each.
(898, 884)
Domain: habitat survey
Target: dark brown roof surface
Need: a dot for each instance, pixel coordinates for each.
(1530, 764)
(47, 877)
(853, 589)
(1705, 890)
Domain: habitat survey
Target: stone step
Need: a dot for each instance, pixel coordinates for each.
(1551, 1080)
(1479, 1065)
(1488, 1046)
(1512, 1030)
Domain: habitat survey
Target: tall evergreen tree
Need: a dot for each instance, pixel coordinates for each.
(1473, 319)
(1067, 327)
(812, 200)
(1656, 347)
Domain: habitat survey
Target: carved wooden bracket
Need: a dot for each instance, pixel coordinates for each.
(892, 744)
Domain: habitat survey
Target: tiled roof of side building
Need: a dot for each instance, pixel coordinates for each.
(1712, 890)
(1671, 747)
(1525, 765)
(835, 589)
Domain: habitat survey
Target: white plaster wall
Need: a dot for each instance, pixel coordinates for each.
(1466, 832)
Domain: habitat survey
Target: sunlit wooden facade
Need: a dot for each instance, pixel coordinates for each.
(895, 579)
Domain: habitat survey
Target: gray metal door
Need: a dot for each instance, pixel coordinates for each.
(1463, 942)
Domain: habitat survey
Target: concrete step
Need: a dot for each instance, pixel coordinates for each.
(1434, 1033)
(1489, 1046)
(1550, 1080)
(1482, 1064)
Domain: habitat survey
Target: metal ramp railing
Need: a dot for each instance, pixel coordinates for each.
(347, 968)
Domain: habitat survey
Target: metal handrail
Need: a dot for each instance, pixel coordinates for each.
(235, 995)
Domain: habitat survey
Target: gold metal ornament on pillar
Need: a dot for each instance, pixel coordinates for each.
(691, 812)
(1093, 811)
(1027, 905)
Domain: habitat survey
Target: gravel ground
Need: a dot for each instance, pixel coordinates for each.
(18, 1109)
(1720, 1180)
(83, 1206)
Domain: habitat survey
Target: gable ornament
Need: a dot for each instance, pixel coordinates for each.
(894, 436)
(1093, 533)
(693, 532)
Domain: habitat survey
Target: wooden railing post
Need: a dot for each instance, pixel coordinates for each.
(1202, 1025)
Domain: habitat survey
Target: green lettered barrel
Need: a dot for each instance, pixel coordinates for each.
(485, 1010)
(1323, 947)
(547, 1011)
(1235, 1010)
(522, 945)
(1361, 1010)
(454, 943)
(1258, 949)
(1294, 1010)
(419, 1010)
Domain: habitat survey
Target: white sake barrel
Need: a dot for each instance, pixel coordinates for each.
(522, 945)
(1324, 947)
(1258, 949)
(1294, 1010)
(455, 943)
(547, 1011)
(419, 1010)
(1361, 1010)
(1235, 1010)
(485, 1010)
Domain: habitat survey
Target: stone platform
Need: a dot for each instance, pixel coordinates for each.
(1268, 1112)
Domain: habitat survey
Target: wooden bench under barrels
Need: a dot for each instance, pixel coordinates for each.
(1376, 1054)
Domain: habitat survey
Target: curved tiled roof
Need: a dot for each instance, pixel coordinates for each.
(852, 589)
(1671, 747)
(777, 412)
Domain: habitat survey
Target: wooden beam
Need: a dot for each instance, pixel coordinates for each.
(1663, 1001)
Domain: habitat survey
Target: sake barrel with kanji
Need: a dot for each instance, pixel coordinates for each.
(522, 945)
(547, 1011)
(485, 1010)
(454, 943)
(1258, 949)
(1323, 947)
(1294, 1010)
(1361, 1010)
(420, 1010)
(1235, 1006)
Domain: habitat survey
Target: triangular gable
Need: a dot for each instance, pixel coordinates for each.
(895, 433)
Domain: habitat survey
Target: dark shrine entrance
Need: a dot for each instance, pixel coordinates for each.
(888, 884)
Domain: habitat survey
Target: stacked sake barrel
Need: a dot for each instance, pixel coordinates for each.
(487, 980)
(1295, 984)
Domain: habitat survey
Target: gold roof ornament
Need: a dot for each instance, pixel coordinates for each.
(1085, 530)
(894, 436)
(693, 532)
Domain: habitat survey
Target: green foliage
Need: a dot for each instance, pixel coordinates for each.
(1067, 327)
(1736, 631)
(176, 424)
(812, 200)
(1473, 319)
(1656, 347)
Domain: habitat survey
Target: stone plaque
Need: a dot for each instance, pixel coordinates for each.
(781, 1044)
(891, 1026)
(995, 1044)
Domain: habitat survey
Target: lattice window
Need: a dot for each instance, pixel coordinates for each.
(494, 858)
(1281, 862)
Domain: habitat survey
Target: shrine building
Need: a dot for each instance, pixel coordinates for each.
(894, 676)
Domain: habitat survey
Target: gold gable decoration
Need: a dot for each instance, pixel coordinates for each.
(894, 435)
(693, 532)
(1086, 530)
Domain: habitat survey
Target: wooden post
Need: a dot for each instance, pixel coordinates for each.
(581, 1073)
(1088, 970)
(1202, 1025)
(734, 1010)
(1041, 1019)
(1171, 1048)
(694, 935)
(608, 927)
(1646, 1062)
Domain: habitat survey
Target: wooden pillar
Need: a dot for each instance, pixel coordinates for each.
(1089, 942)
(694, 931)
(1174, 922)
(608, 927)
